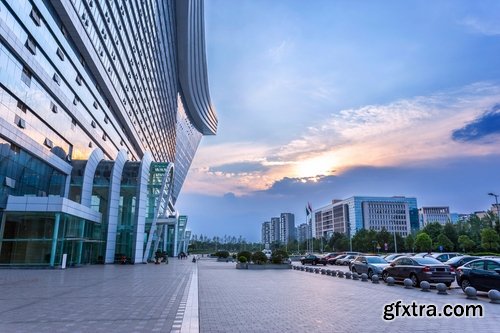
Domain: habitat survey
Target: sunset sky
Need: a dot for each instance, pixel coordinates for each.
(321, 100)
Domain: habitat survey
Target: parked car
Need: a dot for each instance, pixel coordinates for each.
(482, 274)
(333, 261)
(346, 260)
(419, 269)
(331, 255)
(391, 257)
(458, 261)
(443, 257)
(313, 260)
(369, 265)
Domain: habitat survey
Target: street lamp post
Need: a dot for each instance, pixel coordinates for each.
(496, 205)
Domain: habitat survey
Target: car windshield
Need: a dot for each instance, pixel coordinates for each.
(426, 260)
(376, 260)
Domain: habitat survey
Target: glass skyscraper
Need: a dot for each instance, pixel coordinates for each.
(102, 107)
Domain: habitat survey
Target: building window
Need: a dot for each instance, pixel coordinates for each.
(26, 76)
(22, 106)
(60, 53)
(35, 15)
(53, 107)
(31, 44)
(48, 143)
(57, 79)
(20, 122)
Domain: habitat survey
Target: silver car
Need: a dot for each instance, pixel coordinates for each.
(369, 265)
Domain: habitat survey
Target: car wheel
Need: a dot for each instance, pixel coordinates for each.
(385, 275)
(370, 274)
(353, 270)
(324, 264)
(464, 284)
(448, 284)
(414, 280)
(302, 262)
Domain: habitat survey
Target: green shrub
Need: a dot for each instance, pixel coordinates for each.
(222, 254)
(246, 254)
(259, 258)
(278, 256)
(242, 259)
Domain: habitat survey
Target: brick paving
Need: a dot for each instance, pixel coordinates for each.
(173, 297)
(294, 301)
(110, 298)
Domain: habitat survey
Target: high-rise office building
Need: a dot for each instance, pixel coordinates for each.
(287, 228)
(395, 214)
(102, 107)
(279, 229)
(434, 214)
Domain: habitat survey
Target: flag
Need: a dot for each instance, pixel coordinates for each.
(308, 209)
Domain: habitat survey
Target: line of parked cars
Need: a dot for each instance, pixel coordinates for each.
(482, 273)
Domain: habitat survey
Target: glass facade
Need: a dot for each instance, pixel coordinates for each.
(96, 106)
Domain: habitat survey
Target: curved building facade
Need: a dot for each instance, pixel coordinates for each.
(102, 107)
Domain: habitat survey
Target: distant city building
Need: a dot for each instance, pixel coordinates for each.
(274, 229)
(287, 227)
(434, 214)
(266, 232)
(279, 229)
(303, 232)
(395, 214)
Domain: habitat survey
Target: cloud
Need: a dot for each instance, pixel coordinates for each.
(484, 26)
(408, 131)
(278, 53)
(239, 167)
(483, 126)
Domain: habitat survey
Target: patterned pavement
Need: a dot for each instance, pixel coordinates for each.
(212, 296)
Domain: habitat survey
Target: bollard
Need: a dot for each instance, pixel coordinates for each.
(364, 277)
(340, 274)
(355, 276)
(375, 278)
(334, 273)
(408, 283)
(316, 270)
(323, 271)
(441, 287)
(494, 296)
(328, 272)
(471, 292)
(302, 268)
(426, 286)
(390, 281)
(348, 275)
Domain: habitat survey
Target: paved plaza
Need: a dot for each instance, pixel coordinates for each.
(211, 296)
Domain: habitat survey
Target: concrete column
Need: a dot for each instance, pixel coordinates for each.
(54, 239)
(80, 244)
(176, 229)
(2, 228)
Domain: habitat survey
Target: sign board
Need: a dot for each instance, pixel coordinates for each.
(386, 246)
(440, 248)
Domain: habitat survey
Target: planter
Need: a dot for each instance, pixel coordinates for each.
(242, 265)
(270, 266)
(225, 259)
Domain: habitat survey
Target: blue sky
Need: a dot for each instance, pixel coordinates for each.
(322, 100)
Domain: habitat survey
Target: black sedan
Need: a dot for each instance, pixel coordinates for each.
(418, 270)
(482, 274)
(456, 262)
(313, 260)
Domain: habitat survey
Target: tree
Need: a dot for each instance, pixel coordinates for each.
(410, 243)
(433, 229)
(489, 239)
(465, 243)
(339, 242)
(423, 242)
(450, 232)
(445, 242)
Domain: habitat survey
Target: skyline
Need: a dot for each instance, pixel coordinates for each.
(327, 100)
